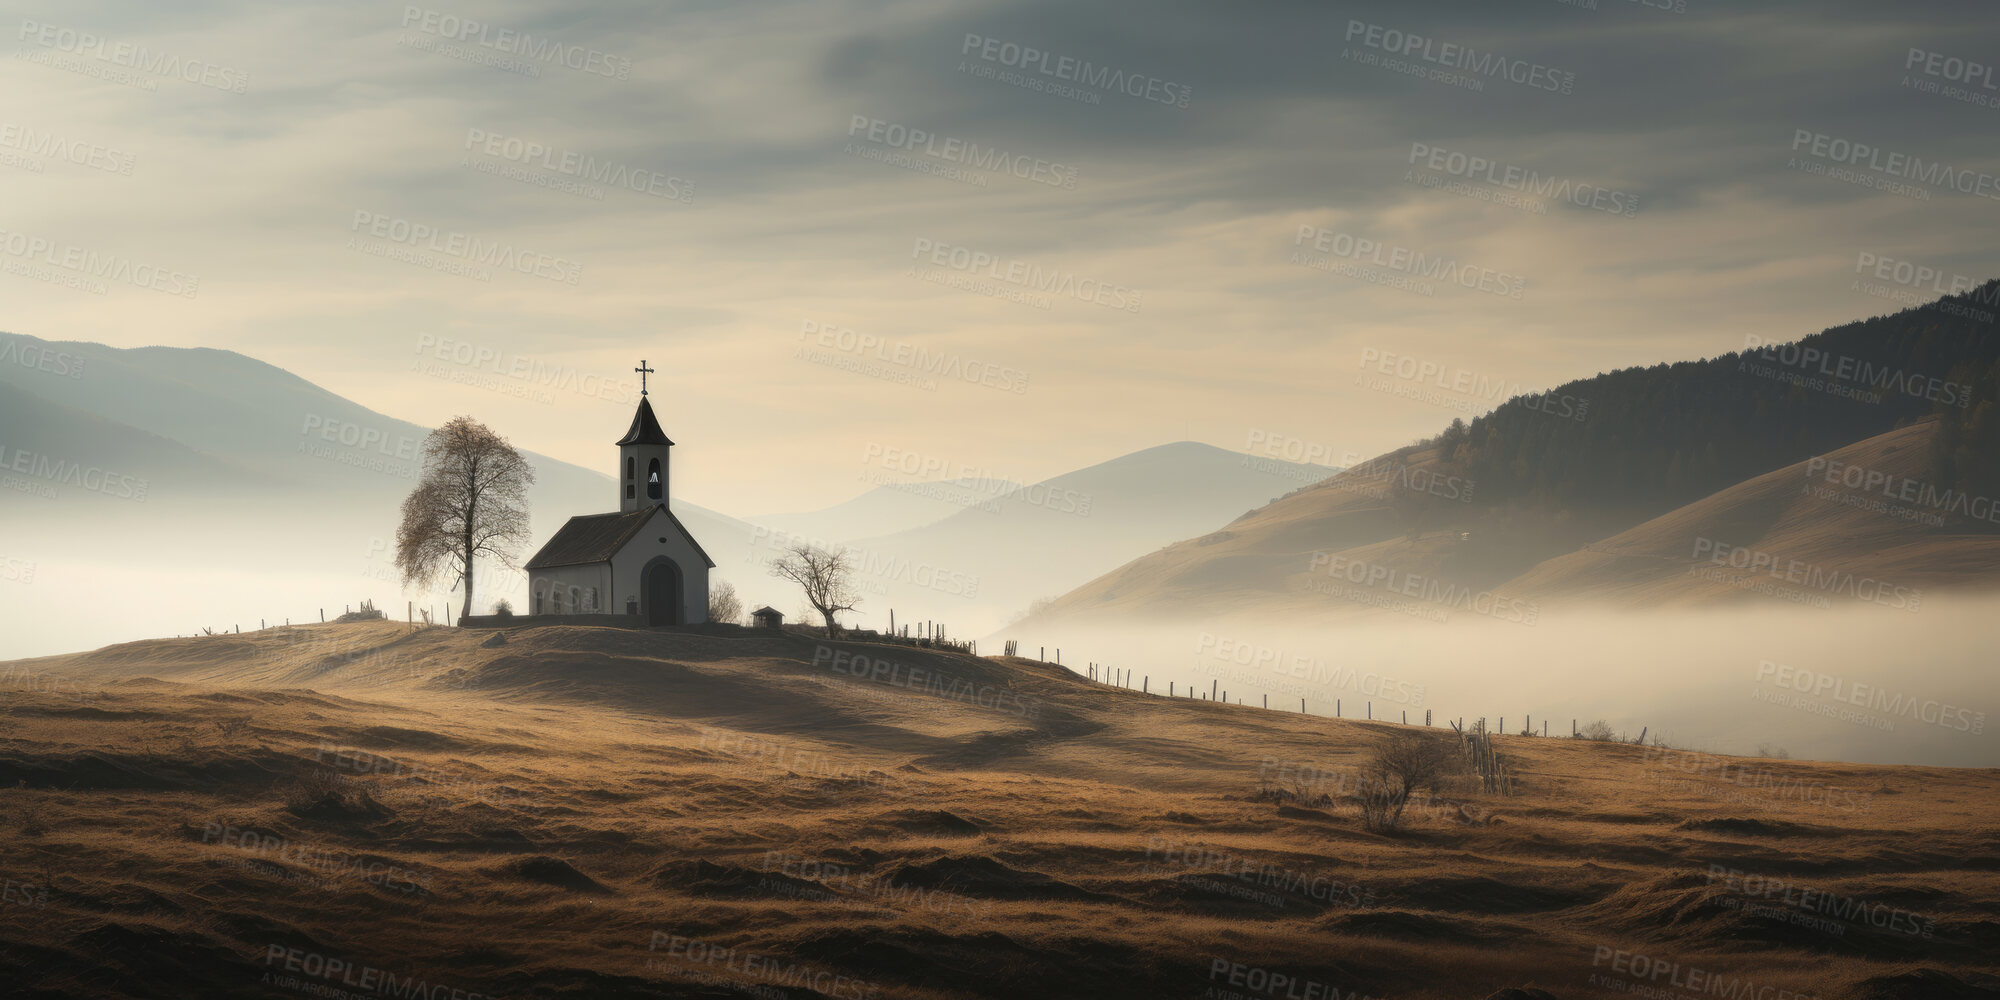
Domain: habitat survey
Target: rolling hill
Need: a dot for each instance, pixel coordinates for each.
(330, 806)
(1526, 501)
(1859, 523)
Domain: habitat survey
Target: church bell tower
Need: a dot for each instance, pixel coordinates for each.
(643, 456)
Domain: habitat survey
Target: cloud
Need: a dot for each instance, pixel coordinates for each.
(1288, 123)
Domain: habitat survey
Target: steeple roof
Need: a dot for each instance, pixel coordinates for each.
(645, 427)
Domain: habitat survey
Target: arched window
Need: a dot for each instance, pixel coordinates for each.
(630, 465)
(654, 488)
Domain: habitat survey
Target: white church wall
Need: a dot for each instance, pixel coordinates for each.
(572, 590)
(661, 538)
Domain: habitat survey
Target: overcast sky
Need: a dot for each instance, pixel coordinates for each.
(267, 170)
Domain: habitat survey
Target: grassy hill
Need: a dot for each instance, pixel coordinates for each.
(1811, 520)
(591, 812)
(1558, 475)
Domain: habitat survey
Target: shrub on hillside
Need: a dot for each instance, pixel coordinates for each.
(1598, 730)
(1407, 764)
(366, 613)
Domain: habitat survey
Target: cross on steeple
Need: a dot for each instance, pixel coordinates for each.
(643, 372)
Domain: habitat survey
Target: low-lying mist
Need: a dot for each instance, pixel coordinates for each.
(1855, 683)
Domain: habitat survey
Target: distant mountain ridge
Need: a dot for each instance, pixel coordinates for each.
(1661, 436)
(256, 483)
(254, 474)
(1483, 506)
(888, 508)
(1006, 545)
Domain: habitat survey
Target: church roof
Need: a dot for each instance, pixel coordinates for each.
(645, 427)
(595, 538)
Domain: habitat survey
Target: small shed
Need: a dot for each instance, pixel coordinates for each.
(767, 617)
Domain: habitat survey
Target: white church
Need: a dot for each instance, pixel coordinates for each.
(640, 562)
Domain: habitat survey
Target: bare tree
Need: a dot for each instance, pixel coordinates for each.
(1406, 764)
(823, 575)
(472, 500)
(723, 604)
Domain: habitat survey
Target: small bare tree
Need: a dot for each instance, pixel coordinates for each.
(1599, 730)
(723, 604)
(823, 575)
(1408, 763)
(472, 500)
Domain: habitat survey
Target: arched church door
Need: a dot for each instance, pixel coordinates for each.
(663, 593)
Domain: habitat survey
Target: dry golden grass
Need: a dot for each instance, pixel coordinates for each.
(1792, 514)
(561, 814)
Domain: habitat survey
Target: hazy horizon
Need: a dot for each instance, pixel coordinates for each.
(1808, 682)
